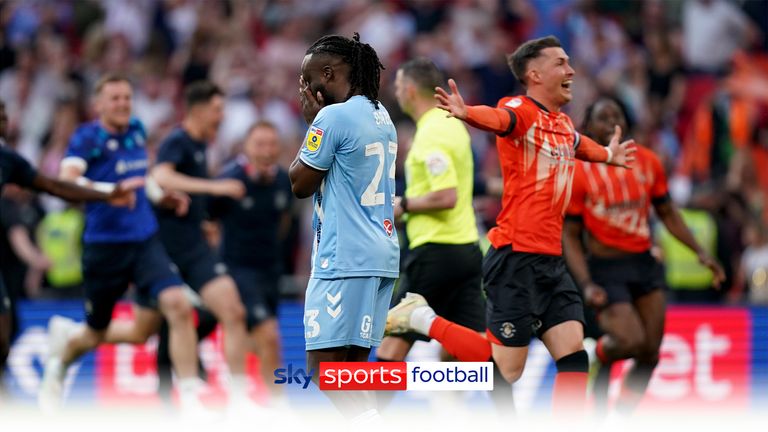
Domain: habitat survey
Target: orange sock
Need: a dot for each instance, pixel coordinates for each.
(461, 342)
(569, 396)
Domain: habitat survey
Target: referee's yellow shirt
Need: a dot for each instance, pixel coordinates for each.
(440, 158)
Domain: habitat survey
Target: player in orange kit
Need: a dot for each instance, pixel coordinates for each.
(528, 288)
(620, 278)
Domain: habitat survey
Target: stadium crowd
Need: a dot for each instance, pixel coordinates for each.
(692, 74)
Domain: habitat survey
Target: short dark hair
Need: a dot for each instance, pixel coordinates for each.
(200, 92)
(424, 73)
(608, 98)
(518, 60)
(365, 67)
(108, 78)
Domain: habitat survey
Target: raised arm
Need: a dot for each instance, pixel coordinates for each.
(496, 120)
(617, 153)
(168, 178)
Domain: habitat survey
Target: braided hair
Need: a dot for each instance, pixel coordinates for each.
(365, 67)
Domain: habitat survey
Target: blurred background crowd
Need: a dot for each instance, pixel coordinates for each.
(693, 74)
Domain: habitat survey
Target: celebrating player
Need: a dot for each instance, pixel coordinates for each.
(121, 247)
(182, 165)
(617, 273)
(527, 285)
(15, 170)
(348, 163)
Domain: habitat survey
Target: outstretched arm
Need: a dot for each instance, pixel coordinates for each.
(496, 120)
(123, 194)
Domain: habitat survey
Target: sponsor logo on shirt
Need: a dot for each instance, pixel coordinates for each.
(314, 138)
(123, 166)
(388, 227)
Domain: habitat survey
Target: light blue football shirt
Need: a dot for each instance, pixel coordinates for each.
(353, 218)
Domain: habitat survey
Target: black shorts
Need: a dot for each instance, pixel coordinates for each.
(527, 294)
(259, 292)
(449, 277)
(109, 268)
(627, 278)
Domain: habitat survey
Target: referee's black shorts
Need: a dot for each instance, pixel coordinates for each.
(449, 277)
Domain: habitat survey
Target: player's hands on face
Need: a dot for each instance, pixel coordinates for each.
(717, 271)
(124, 194)
(453, 102)
(230, 188)
(178, 201)
(594, 295)
(623, 152)
(311, 104)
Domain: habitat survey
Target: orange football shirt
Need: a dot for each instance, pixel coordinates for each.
(537, 154)
(614, 202)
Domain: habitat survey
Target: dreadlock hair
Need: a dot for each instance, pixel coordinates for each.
(608, 97)
(365, 67)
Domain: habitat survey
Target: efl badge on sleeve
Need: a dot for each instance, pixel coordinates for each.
(314, 138)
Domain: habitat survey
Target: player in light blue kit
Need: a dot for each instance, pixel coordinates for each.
(348, 162)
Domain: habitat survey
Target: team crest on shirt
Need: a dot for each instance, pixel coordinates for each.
(314, 138)
(388, 227)
(514, 103)
(507, 330)
(112, 144)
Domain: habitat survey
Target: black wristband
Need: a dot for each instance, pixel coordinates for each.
(404, 204)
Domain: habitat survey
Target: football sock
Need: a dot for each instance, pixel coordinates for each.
(461, 342)
(421, 319)
(570, 391)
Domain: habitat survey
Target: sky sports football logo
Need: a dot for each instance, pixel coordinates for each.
(414, 376)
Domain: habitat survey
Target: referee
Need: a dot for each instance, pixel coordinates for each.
(444, 263)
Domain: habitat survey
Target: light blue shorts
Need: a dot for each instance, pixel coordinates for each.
(348, 311)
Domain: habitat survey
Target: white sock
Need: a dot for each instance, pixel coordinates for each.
(422, 318)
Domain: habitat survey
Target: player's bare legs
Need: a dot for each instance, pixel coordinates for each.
(624, 329)
(393, 348)
(144, 324)
(221, 297)
(352, 404)
(565, 344)
(510, 361)
(266, 345)
(650, 308)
